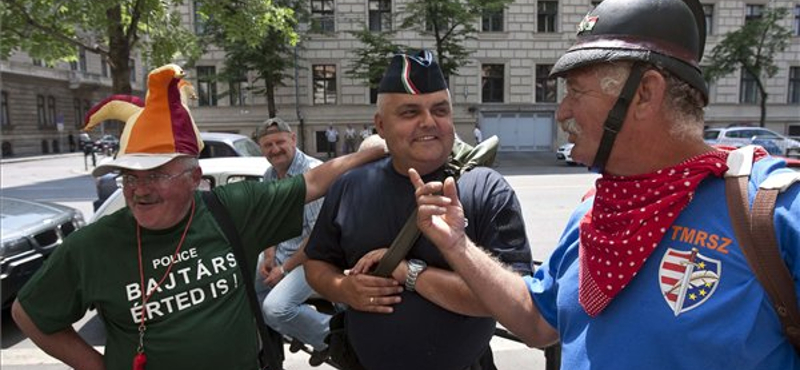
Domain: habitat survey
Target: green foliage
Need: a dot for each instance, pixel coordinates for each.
(373, 58)
(450, 22)
(257, 36)
(54, 30)
(752, 47)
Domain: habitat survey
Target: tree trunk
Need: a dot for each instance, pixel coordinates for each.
(270, 92)
(119, 53)
(763, 121)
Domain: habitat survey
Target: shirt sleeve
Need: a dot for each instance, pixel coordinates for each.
(53, 297)
(265, 213)
(496, 218)
(324, 241)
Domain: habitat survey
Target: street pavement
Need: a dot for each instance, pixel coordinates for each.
(547, 189)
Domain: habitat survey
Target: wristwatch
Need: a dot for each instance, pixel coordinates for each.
(415, 267)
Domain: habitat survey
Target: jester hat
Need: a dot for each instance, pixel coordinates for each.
(157, 130)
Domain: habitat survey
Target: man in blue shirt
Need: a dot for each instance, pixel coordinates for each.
(648, 273)
(280, 280)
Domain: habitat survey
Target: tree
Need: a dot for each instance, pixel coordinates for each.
(450, 22)
(54, 30)
(268, 54)
(373, 57)
(752, 48)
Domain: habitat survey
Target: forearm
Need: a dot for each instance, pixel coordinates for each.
(321, 177)
(66, 346)
(298, 258)
(326, 280)
(449, 291)
(503, 293)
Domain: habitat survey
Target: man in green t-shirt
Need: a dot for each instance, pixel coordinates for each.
(160, 272)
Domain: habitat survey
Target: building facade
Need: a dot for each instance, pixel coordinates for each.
(504, 87)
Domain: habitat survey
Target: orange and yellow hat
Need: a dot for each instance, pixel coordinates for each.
(156, 131)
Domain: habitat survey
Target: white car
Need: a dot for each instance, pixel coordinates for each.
(564, 153)
(216, 172)
(741, 136)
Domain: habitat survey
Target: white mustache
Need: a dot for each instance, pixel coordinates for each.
(570, 126)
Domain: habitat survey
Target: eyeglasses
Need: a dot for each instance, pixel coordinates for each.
(153, 179)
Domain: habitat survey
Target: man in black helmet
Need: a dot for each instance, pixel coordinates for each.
(650, 261)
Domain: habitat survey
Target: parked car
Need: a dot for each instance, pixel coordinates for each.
(108, 144)
(564, 153)
(216, 172)
(741, 136)
(220, 144)
(30, 232)
(216, 144)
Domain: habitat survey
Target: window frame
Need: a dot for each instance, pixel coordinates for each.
(748, 87)
(322, 75)
(793, 94)
(493, 21)
(323, 20)
(5, 115)
(546, 19)
(206, 86)
(493, 79)
(546, 87)
(380, 18)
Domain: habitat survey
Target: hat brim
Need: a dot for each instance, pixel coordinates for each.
(136, 162)
(582, 57)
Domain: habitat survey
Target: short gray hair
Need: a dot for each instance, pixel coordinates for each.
(683, 103)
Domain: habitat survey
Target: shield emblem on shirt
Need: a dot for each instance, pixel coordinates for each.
(687, 279)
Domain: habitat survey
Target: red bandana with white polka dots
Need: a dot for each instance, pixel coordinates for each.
(629, 217)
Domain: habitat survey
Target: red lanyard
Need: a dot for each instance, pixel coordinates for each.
(141, 359)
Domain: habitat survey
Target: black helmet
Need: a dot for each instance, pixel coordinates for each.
(668, 33)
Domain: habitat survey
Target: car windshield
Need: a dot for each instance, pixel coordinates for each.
(710, 135)
(247, 147)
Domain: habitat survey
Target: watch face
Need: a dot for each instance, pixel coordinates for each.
(417, 263)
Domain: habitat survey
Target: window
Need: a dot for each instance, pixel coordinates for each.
(76, 106)
(324, 84)
(753, 12)
(797, 20)
(492, 21)
(380, 15)
(199, 24)
(86, 107)
(322, 19)
(41, 112)
(794, 85)
(748, 90)
(82, 59)
(545, 86)
(492, 83)
(103, 67)
(237, 92)
(37, 62)
(207, 86)
(596, 3)
(708, 10)
(546, 16)
(132, 65)
(373, 90)
(5, 120)
(51, 111)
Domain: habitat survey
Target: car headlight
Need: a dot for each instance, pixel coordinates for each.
(15, 246)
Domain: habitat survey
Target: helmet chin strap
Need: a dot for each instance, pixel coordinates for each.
(616, 116)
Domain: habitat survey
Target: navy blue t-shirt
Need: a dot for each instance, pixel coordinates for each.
(365, 210)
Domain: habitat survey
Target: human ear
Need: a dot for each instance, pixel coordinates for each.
(650, 94)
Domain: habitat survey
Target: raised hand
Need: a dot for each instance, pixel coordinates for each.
(439, 217)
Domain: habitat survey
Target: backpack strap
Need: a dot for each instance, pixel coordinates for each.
(756, 235)
(271, 354)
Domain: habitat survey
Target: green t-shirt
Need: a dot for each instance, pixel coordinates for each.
(199, 317)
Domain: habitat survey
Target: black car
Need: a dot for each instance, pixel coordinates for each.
(30, 232)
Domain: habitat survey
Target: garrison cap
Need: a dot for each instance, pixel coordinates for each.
(413, 74)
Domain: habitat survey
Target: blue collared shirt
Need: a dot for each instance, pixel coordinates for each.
(301, 163)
